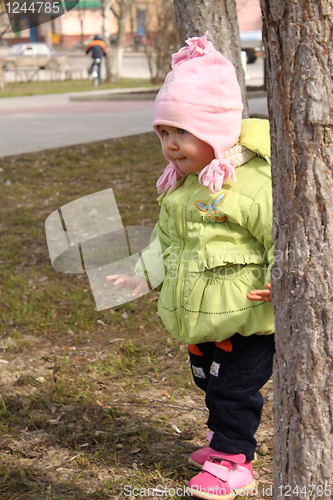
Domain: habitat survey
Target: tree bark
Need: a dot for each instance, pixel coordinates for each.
(298, 43)
(219, 17)
(121, 14)
(5, 27)
(161, 19)
(106, 6)
(118, 59)
(2, 80)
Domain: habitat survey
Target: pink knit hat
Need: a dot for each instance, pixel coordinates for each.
(202, 96)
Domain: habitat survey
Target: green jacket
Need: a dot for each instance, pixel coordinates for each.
(216, 248)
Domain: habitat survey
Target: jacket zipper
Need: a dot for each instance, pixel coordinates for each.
(180, 281)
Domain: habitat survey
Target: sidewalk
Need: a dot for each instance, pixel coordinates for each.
(36, 123)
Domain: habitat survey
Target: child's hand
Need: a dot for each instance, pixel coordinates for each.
(137, 283)
(261, 294)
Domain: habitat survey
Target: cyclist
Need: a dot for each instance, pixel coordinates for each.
(98, 49)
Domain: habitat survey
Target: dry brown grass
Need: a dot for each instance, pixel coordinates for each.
(90, 399)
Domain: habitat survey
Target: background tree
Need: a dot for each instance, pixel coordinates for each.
(219, 17)
(106, 12)
(81, 10)
(120, 9)
(298, 43)
(162, 38)
(4, 27)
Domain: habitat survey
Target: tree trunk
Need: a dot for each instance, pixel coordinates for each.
(121, 15)
(298, 43)
(5, 26)
(2, 81)
(162, 38)
(219, 17)
(81, 30)
(118, 60)
(106, 6)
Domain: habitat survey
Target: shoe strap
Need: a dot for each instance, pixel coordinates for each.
(217, 470)
(236, 459)
(210, 436)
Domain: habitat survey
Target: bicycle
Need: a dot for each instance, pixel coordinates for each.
(95, 71)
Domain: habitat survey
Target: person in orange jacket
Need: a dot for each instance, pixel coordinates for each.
(98, 49)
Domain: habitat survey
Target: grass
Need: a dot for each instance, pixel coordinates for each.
(17, 89)
(89, 398)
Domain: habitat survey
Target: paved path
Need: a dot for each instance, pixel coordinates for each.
(36, 123)
(135, 65)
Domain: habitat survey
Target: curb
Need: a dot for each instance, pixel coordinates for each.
(138, 94)
(132, 94)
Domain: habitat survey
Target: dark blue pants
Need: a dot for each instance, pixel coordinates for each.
(231, 373)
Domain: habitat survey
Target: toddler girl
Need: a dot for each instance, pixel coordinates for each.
(215, 234)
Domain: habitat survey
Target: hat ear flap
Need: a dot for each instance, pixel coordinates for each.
(216, 173)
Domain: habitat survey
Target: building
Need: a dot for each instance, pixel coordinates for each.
(83, 20)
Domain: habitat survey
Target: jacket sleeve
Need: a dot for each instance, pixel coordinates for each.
(260, 224)
(151, 264)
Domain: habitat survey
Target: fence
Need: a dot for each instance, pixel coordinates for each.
(34, 73)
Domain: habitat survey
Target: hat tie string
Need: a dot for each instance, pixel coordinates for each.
(216, 173)
(168, 179)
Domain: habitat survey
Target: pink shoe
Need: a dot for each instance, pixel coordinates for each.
(223, 477)
(199, 457)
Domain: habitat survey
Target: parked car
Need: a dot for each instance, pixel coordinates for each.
(32, 54)
(251, 43)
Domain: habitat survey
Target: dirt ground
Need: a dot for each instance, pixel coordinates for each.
(55, 446)
(93, 403)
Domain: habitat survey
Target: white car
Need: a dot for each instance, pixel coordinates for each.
(32, 54)
(251, 43)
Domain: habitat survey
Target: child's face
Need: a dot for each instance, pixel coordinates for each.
(189, 153)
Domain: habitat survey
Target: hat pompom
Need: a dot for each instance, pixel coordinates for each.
(216, 173)
(197, 47)
(168, 179)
